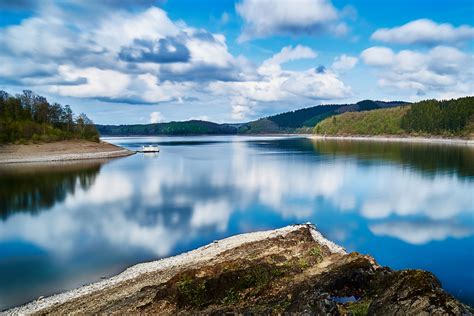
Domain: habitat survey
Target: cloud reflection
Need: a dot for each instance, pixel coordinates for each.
(419, 233)
(156, 204)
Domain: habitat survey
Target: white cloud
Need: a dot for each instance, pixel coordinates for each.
(53, 50)
(241, 108)
(377, 56)
(277, 84)
(316, 85)
(343, 63)
(122, 28)
(440, 69)
(99, 82)
(143, 57)
(264, 18)
(289, 53)
(286, 54)
(424, 31)
(44, 36)
(156, 117)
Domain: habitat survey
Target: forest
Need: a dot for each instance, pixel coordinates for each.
(450, 117)
(28, 117)
(425, 118)
(303, 120)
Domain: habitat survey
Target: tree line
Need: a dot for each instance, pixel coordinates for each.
(430, 117)
(30, 117)
(440, 117)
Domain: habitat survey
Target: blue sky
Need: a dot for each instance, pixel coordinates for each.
(232, 61)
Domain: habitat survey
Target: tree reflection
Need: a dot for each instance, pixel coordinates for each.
(427, 158)
(34, 187)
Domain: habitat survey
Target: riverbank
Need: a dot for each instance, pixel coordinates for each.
(407, 139)
(60, 151)
(292, 269)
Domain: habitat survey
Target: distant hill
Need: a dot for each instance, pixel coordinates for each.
(299, 121)
(193, 127)
(304, 120)
(430, 117)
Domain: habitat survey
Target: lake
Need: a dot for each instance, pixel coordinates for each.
(63, 225)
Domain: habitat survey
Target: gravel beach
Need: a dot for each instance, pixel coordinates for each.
(60, 151)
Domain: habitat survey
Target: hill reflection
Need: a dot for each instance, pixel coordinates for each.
(430, 159)
(427, 158)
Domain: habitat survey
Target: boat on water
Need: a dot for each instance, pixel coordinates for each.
(149, 149)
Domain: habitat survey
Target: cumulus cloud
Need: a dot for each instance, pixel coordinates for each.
(133, 57)
(264, 18)
(165, 50)
(440, 69)
(241, 107)
(143, 57)
(424, 31)
(276, 84)
(286, 54)
(316, 85)
(343, 63)
(98, 82)
(378, 56)
(156, 117)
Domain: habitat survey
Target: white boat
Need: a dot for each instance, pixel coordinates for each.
(150, 149)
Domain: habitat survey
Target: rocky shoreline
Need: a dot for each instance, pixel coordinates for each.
(292, 269)
(60, 151)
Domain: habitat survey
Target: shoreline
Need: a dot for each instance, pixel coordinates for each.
(70, 150)
(400, 139)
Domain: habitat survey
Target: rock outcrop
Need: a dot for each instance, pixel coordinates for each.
(293, 269)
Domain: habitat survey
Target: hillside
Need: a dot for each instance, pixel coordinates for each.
(376, 122)
(431, 117)
(304, 120)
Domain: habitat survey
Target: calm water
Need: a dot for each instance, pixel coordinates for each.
(64, 225)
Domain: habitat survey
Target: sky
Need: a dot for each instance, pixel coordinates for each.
(149, 61)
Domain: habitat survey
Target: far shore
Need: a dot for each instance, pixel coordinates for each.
(81, 149)
(406, 139)
(60, 151)
(388, 138)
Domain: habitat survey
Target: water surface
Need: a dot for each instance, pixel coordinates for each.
(67, 224)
